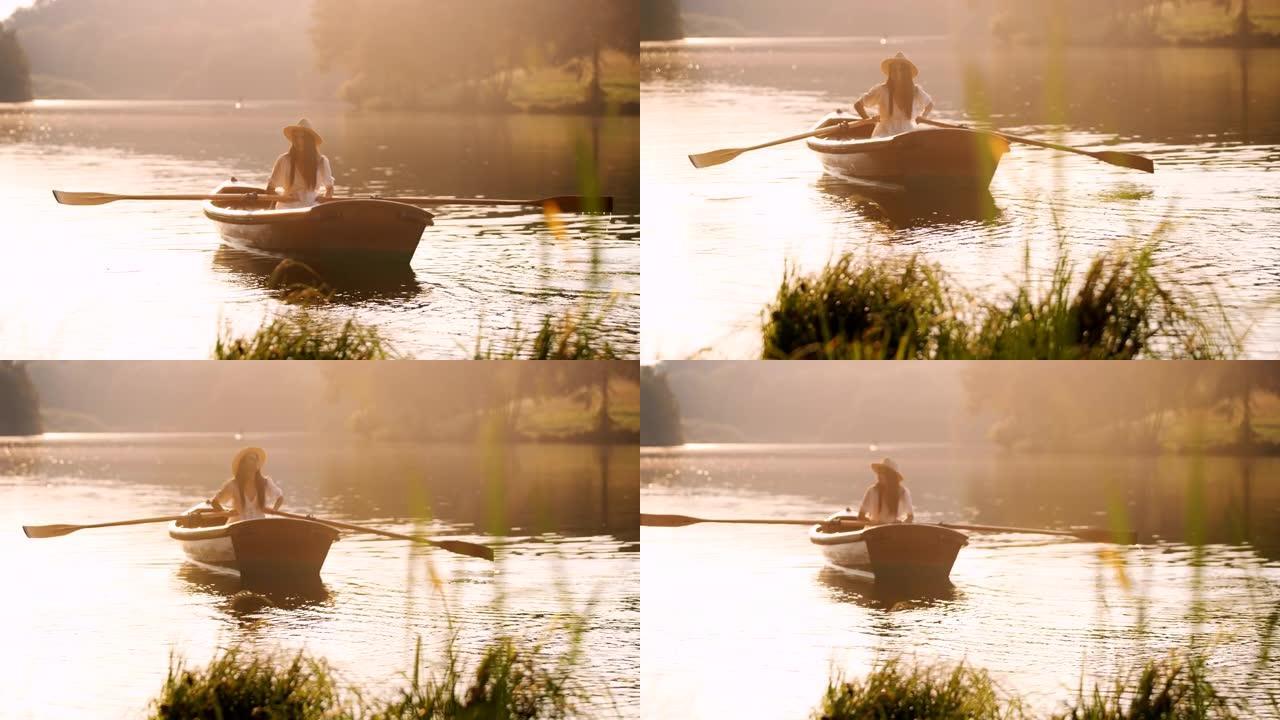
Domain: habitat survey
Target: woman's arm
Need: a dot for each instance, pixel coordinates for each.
(224, 492)
(870, 97)
(928, 102)
(278, 174)
(327, 171)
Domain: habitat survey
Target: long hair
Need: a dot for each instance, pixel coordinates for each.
(902, 89)
(894, 490)
(259, 485)
(304, 159)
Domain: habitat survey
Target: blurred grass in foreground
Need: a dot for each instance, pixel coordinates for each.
(909, 309)
(575, 335)
(303, 335)
(508, 682)
(1170, 690)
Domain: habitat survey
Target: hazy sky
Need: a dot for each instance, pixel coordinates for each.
(8, 6)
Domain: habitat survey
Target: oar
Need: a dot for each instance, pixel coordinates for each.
(559, 203)
(1087, 534)
(455, 546)
(1120, 159)
(48, 531)
(683, 520)
(720, 157)
(101, 198)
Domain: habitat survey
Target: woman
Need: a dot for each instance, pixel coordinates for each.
(248, 493)
(899, 100)
(302, 171)
(887, 501)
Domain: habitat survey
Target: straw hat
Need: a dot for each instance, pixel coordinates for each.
(305, 126)
(887, 465)
(899, 58)
(262, 458)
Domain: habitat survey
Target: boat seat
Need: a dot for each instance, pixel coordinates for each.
(201, 520)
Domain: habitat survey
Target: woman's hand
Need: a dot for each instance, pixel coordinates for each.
(861, 109)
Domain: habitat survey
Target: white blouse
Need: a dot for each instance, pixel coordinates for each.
(229, 497)
(282, 176)
(878, 512)
(892, 121)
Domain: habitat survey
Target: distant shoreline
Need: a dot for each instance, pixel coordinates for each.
(1256, 41)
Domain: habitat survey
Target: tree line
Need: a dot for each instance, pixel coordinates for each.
(405, 52)
(1127, 407)
(15, 71)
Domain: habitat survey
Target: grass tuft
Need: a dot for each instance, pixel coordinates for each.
(303, 335)
(239, 685)
(894, 691)
(909, 309)
(508, 683)
(882, 310)
(576, 335)
(1171, 690)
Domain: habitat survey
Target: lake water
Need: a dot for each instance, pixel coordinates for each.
(717, 240)
(97, 282)
(748, 621)
(93, 616)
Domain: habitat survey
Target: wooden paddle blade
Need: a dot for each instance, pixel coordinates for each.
(715, 157)
(1127, 160)
(48, 531)
(474, 550)
(667, 520)
(578, 204)
(83, 198)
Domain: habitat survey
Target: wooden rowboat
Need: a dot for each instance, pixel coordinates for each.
(361, 229)
(900, 553)
(925, 158)
(264, 551)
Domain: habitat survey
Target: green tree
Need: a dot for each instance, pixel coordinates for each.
(586, 28)
(660, 20)
(19, 401)
(1235, 386)
(660, 411)
(15, 71)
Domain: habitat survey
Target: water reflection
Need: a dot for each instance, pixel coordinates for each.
(349, 283)
(569, 546)
(243, 602)
(1042, 615)
(898, 209)
(720, 239)
(124, 268)
(845, 587)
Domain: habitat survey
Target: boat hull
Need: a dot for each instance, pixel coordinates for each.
(899, 554)
(932, 158)
(263, 551)
(361, 230)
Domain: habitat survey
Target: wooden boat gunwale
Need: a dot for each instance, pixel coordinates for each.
(955, 157)
(214, 541)
(862, 543)
(353, 229)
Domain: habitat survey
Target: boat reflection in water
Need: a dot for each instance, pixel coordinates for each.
(901, 209)
(240, 599)
(350, 283)
(848, 587)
